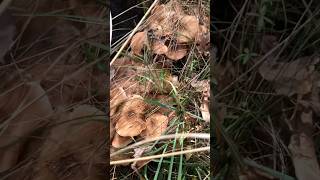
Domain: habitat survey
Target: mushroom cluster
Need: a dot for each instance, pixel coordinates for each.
(129, 121)
(169, 31)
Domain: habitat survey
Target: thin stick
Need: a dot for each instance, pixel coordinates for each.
(160, 155)
(170, 136)
(133, 32)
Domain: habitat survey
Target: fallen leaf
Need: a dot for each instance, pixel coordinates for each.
(137, 42)
(304, 157)
(204, 87)
(200, 86)
(303, 150)
(188, 155)
(290, 78)
(138, 152)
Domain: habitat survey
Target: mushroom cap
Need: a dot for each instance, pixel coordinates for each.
(120, 141)
(156, 124)
(131, 122)
(130, 126)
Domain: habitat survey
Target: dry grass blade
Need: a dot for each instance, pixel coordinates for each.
(133, 32)
(161, 156)
(163, 137)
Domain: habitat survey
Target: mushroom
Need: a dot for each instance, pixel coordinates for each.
(120, 141)
(156, 124)
(131, 122)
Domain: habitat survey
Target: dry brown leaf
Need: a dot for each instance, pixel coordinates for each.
(313, 100)
(204, 87)
(188, 155)
(176, 54)
(162, 20)
(137, 42)
(156, 125)
(290, 78)
(120, 142)
(138, 152)
(303, 151)
(200, 86)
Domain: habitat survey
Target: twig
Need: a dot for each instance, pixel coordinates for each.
(170, 136)
(133, 32)
(160, 155)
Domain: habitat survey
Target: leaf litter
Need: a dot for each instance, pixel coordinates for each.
(300, 78)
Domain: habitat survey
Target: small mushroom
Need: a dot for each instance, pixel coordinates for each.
(137, 42)
(156, 124)
(189, 29)
(131, 122)
(176, 54)
(130, 126)
(120, 142)
(159, 48)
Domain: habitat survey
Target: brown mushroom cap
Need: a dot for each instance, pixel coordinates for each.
(120, 141)
(159, 48)
(130, 126)
(131, 122)
(176, 54)
(156, 124)
(137, 42)
(189, 29)
(135, 104)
